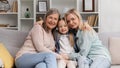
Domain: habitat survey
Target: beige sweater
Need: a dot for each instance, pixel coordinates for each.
(38, 40)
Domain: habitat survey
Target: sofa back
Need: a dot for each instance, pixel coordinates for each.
(105, 36)
(12, 39)
(112, 41)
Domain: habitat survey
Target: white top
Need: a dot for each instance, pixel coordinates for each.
(65, 46)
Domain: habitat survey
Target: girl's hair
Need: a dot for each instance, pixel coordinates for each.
(49, 12)
(75, 12)
(60, 20)
(71, 36)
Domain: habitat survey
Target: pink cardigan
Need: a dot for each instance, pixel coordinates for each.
(38, 40)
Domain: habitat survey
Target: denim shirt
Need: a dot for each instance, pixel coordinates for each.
(89, 46)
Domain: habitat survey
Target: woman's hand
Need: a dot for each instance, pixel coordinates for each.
(39, 22)
(86, 26)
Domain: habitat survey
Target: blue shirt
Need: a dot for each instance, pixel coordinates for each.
(90, 46)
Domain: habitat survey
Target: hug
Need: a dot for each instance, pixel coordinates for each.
(61, 43)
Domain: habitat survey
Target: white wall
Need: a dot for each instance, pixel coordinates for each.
(109, 15)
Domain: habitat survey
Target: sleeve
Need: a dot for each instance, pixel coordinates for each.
(37, 39)
(56, 38)
(86, 43)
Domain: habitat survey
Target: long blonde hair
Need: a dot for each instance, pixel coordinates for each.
(76, 13)
(71, 39)
(82, 26)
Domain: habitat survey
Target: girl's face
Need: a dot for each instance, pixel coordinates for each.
(62, 27)
(51, 21)
(73, 21)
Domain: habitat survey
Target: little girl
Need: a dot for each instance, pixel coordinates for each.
(65, 43)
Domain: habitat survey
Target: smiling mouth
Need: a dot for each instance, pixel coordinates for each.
(63, 30)
(71, 26)
(51, 23)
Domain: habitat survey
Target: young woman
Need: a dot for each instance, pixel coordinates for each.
(65, 43)
(91, 52)
(38, 50)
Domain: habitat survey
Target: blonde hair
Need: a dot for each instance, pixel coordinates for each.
(82, 26)
(77, 14)
(49, 12)
(71, 39)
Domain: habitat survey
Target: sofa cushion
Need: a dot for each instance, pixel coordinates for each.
(114, 47)
(7, 59)
(12, 39)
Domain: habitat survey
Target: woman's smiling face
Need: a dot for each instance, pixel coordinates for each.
(72, 21)
(51, 21)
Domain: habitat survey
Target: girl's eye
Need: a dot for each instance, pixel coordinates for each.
(50, 17)
(59, 26)
(65, 25)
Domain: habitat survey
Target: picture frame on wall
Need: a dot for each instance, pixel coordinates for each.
(42, 6)
(88, 5)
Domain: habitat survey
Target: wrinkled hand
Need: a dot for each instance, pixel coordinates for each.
(39, 22)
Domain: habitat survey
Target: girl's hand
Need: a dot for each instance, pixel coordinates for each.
(65, 56)
(53, 49)
(59, 57)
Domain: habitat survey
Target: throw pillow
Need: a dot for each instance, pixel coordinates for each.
(7, 59)
(114, 47)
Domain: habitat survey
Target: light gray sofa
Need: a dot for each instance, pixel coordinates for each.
(112, 41)
(13, 40)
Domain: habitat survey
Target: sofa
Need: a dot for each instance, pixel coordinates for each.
(13, 40)
(112, 41)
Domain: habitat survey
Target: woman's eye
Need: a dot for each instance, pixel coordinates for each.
(72, 19)
(68, 21)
